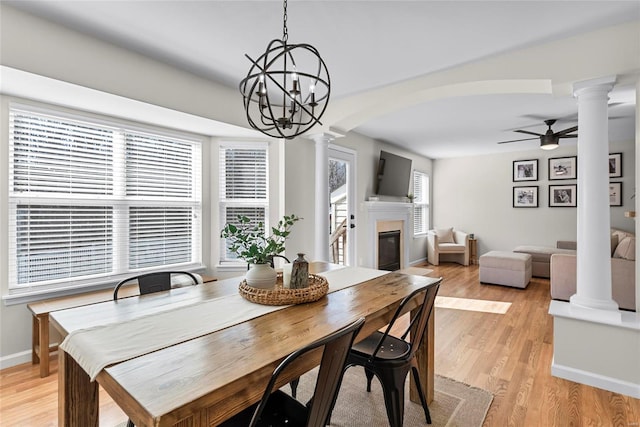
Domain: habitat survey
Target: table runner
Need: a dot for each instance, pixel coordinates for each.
(99, 346)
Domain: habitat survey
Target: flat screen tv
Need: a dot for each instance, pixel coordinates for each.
(394, 175)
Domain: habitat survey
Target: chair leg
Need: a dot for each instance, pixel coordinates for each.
(294, 387)
(393, 390)
(416, 378)
(369, 375)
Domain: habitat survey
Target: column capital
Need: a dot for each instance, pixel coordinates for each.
(599, 84)
(325, 137)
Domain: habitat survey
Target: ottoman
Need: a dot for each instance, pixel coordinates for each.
(505, 268)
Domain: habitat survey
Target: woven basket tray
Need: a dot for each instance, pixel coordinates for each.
(318, 287)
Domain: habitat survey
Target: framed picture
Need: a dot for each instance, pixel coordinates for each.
(525, 197)
(563, 195)
(563, 168)
(615, 194)
(525, 170)
(615, 165)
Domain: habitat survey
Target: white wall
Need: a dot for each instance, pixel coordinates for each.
(299, 189)
(475, 194)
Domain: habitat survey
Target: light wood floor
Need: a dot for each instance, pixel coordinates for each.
(508, 354)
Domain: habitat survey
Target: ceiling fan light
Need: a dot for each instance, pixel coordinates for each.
(548, 142)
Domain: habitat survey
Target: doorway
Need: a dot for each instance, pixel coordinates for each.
(342, 195)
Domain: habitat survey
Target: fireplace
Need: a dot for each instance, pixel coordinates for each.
(382, 218)
(389, 250)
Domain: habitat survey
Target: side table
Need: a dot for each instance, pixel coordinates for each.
(473, 251)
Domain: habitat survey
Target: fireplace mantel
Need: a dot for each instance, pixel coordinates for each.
(378, 213)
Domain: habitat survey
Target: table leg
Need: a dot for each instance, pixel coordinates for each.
(35, 336)
(77, 395)
(426, 365)
(43, 338)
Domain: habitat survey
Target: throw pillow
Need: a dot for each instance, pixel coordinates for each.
(445, 235)
(614, 243)
(626, 249)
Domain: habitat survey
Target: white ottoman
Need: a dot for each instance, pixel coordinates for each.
(505, 268)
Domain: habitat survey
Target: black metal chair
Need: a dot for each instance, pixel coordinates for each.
(276, 408)
(390, 358)
(155, 282)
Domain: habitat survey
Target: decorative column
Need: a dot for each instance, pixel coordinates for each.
(594, 241)
(322, 202)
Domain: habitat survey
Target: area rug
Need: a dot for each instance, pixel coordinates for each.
(455, 404)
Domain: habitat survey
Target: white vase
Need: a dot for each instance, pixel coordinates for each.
(261, 276)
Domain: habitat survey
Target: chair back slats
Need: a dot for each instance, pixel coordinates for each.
(423, 299)
(334, 356)
(153, 282)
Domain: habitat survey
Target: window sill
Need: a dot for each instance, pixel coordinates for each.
(19, 296)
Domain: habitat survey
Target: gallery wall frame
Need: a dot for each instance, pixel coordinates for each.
(615, 165)
(615, 194)
(525, 197)
(563, 196)
(563, 168)
(525, 170)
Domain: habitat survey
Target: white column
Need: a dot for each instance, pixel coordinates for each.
(594, 248)
(322, 202)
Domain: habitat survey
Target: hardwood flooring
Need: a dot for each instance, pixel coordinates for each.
(508, 354)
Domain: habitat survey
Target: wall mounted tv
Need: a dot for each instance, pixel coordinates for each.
(394, 175)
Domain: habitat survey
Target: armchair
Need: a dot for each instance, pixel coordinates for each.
(447, 244)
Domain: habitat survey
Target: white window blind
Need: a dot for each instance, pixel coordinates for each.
(420, 203)
(88, 200)
(243, 187)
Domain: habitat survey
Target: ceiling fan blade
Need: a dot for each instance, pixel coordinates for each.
(516, 140)
(567, 130)
(527, 132)
(567, 136)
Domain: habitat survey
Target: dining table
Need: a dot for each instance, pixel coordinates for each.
(203, 377)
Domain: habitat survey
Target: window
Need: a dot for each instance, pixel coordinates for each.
(91, 199)
(420, 203)
(243, 188)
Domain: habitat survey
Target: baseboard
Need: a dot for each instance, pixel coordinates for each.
(596, 380)
(15, 359)
(418, 262)
(19, 358)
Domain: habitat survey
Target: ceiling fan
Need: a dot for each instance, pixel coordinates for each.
(548, 140)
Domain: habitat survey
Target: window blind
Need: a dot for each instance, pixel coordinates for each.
(420, 202)
(243, 188)
(90, 200)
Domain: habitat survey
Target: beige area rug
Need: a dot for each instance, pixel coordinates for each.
(454, 405)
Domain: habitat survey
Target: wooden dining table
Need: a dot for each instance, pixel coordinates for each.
(207, 379)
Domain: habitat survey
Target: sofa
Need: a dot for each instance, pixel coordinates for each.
(541, 256)
(623, 271)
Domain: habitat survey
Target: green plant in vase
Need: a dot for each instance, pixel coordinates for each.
(250, 242)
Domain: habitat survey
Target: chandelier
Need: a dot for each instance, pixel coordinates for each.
(287, 88)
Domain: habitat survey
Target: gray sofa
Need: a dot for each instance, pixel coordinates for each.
(623, 271)
(541, 257)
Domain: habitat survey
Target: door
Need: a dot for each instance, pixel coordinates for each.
(342, 196)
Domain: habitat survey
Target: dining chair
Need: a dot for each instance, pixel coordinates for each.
(277, 408)
(159, 281)
(390, 358)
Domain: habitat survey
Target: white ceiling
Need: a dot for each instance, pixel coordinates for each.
(370, 45)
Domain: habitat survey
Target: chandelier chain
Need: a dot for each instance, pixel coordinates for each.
(285, 31)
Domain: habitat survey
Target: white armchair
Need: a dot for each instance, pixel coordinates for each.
(447, 244)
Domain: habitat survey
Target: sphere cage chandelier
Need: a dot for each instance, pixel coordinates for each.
(287, 89)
